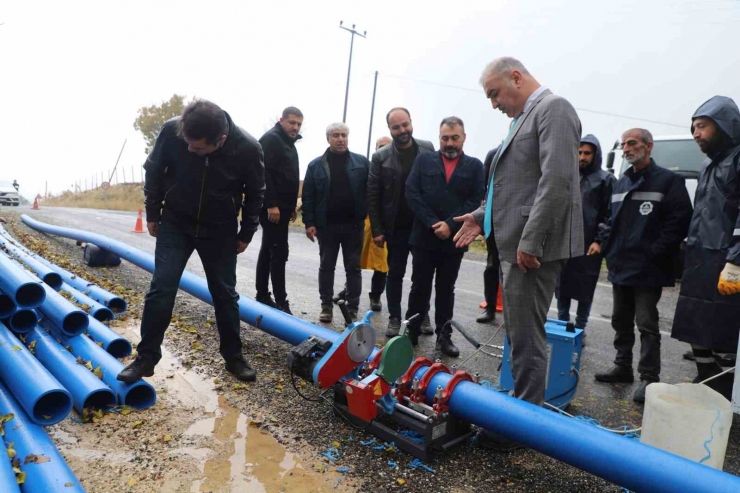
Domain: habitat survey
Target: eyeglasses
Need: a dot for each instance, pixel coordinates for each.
(629, 143)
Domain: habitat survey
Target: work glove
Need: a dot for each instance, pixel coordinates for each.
(729, 279)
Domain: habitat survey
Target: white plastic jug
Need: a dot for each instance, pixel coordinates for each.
(689, 420)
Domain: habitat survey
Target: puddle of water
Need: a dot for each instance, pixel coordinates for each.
(242, 458)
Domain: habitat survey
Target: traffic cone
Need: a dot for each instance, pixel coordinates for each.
(35, 206)
(139, 228)
(500, 300)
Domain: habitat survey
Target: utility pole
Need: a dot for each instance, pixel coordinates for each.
(349, 68)
(372, 113)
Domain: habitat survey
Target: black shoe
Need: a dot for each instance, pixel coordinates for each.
(136, 370)
(494, 441)
(339, 296)
(284, 307)
(375, 304)
(488, 317)
(689, 355)
(394, 326)
(617, 374)
(352, 316)
(326, 315)
(445, 344)
(725, 362)
(639, 395)
(426, 326)
(241, 369)
(266, 299)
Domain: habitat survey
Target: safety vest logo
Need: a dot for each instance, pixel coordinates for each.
(646, 208)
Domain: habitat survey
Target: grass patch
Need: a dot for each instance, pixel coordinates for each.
(123, 197)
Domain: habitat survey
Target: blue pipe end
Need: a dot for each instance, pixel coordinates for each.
(100, 398)
(52, 407)
(30, 295)
(103, 314)
(139, 395)
(23, 321)
(54, 280)
(7, 305)
(119, 348)
(75, 323)
(117, 305)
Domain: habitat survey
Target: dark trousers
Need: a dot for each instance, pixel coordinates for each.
(637, 305)
(582, 313)
(350, 238)
(398, 255)
(377, 283)
(425, 264)
(491, 274)
(273, 256)
(218, 255)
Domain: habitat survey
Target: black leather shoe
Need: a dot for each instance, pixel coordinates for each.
(617, 374)
(266, 299)
(136, 370)
(639, 395)
(394, 325)
(488, 317)
(284, 307)
(448, 347)
(494, 441)
(339, 296)
(375, 304)
(326, 315)
(426, 326)
(689, 355)
(241, 369)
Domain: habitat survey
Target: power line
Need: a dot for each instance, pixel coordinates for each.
(478, 91)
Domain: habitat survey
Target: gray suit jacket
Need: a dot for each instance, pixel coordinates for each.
(537, 197)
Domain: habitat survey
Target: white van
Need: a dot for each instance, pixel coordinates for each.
(9, 193)
(678, 153)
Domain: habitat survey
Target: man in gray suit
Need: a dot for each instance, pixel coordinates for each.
(533, 204)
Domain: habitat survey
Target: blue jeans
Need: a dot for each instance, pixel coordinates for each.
(584, 310)
(218, 255)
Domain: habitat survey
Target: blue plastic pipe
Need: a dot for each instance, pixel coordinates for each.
(270, 320)
(22, 321)
(138, 395)
(116, 304)
(7, 305)
(43, 272)
(8, 482)
(71, 320)
(24, 290)
(45, 476)
(87, 390)
(114, 344)
(40, 394)
(98, 311)
(625, 462)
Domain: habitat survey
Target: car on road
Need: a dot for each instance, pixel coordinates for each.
(9, 193)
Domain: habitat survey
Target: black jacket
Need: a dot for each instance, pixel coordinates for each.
(580, 275)
(202, 194)
(432, 199)
(282, 175)
(650, 214)
(384, 185)
(703, 316)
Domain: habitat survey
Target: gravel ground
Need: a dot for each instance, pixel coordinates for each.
(150, 457)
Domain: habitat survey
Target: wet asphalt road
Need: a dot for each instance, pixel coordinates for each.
(610, 404)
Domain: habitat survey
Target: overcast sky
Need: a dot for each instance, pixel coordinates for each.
(74, 73)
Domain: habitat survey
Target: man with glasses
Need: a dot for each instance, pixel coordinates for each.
(650, 215)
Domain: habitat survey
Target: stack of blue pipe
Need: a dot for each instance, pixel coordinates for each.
(43, 336)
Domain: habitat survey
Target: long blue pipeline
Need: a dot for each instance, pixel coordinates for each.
(138, 395)
(24, 290)
(87, 390)
(42, 476)
(43, 272)
(631, 464)
(40, 394)
(115, 303)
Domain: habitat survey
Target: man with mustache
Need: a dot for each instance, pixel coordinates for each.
(440, 187)
(650, 215)
(708, 306)
(580, 275)
(391, 218)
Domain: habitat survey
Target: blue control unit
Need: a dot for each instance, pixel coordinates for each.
(563, 363)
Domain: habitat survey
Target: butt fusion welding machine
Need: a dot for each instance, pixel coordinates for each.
(382, 395)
